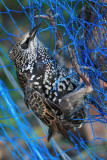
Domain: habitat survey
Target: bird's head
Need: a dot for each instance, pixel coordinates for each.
(26, 47)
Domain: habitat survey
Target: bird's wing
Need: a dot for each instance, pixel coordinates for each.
(75, 100)
(45, 110)
(39, 106)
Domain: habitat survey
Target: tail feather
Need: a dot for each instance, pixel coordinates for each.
(51, 133)
(62, 130)
(59, 128)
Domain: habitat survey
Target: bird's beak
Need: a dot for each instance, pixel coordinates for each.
(34, 31)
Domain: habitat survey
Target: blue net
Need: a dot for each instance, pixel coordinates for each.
(82, 23)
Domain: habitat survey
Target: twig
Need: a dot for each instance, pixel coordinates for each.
(51, 18)
(76, 65)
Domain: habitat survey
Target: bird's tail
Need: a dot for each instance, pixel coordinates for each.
(59, 128)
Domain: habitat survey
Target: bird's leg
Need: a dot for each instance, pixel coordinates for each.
(76, 65)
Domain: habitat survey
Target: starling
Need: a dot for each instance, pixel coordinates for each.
(53, 96)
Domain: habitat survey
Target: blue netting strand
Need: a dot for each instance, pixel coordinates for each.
(82, 24)
(22, 131)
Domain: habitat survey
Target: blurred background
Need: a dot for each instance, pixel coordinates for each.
(16, 18)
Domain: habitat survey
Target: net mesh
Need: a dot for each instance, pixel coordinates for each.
(82, 23)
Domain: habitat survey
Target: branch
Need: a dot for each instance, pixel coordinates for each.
(76, 65)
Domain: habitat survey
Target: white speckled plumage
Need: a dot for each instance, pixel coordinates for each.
(34, 65)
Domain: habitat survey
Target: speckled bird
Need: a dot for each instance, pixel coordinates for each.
(55, 99)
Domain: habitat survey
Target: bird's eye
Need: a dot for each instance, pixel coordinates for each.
(25, 44)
